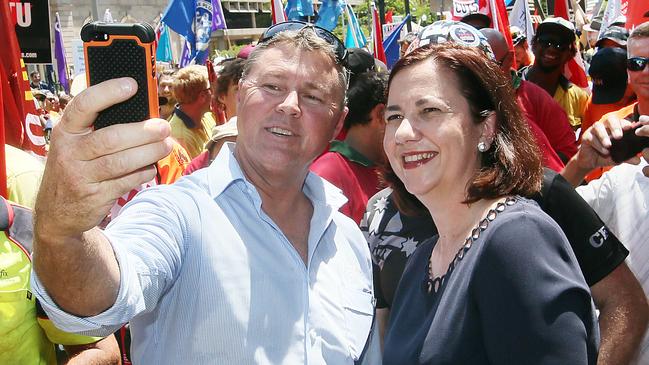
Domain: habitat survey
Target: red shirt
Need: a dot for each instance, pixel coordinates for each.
(549, 124)
(352, 173)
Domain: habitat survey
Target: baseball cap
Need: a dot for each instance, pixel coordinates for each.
(359, 60)
(477, 20)
(443, 31)
(617, 34)
(608, 72)
(517, 35)
(559, 26)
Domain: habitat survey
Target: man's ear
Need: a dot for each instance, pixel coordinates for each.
(377, 113)
(340, 123)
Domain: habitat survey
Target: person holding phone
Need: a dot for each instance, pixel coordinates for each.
(621, 196)
(247, 261)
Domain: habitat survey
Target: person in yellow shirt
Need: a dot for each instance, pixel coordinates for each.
(192, 120)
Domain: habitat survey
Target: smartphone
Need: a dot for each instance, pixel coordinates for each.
(114, 50)
(628, 146)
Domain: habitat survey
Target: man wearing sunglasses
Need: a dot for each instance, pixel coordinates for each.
(553, 46)
(621, 196)
(247, 261)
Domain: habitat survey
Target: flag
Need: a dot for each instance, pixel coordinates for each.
(354, 37)
(195, 20)
(277, 11)
(22, 126)
(613, 10)
(59, 55)
(296, 9)
(185, 56)
(391, 44)
(637, 13)
(163, 52)
(520, 17)
(377, 36)
(329, 12)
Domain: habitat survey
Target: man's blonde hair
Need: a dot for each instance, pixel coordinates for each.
(189, 82)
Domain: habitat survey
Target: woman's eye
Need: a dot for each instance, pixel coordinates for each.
(393, 117)
(431, 110)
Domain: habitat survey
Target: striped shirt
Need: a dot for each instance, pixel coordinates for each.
(208, 277)
(621, 199)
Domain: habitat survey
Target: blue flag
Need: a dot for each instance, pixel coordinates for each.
(354, 37)
(329, 12)
(195, 20)
(391, 44)
(163, 53)
(295, 9)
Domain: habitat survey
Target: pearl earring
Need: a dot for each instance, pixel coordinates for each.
(482, 146)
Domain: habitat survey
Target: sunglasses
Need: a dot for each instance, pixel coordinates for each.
(637, 63)
(553, 43)
(294, 25)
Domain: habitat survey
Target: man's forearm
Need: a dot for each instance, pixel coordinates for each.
(104, 352)
(623, 316)
(80, 274)
(573, 172)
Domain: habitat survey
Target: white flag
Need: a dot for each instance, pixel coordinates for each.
(520, 17)
(613, 10)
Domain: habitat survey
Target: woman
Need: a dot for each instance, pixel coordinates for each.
(499, 284)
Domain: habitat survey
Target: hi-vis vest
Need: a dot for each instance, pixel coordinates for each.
(26, 335)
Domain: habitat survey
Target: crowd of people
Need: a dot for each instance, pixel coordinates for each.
(301, 203)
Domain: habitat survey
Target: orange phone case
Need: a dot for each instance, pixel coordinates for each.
(123, 50)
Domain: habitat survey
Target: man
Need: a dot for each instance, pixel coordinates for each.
(477, 20)
(522, 53)
(352, 164)
(393, 236)
(36, 83)
(553, 46)
(545, 117)
(247, 261)
(165, 94)
(621, 195)
(192, 121)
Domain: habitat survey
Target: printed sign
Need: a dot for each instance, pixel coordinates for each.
(462, 8)
(33, 29)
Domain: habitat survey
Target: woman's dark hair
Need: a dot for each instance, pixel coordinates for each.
(512, 165)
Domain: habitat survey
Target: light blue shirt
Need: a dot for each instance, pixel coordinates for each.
(207, 277)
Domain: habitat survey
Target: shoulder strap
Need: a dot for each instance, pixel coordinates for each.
(17, 221)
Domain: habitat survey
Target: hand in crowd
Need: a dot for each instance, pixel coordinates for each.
(596, 141)
(88, 170)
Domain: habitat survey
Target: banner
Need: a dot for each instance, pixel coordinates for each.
(462, 8)
(22, 126)
(32, 20)
(59, 54)
(195, 20)
(296, 9)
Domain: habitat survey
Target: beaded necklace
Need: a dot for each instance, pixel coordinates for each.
(433, 284)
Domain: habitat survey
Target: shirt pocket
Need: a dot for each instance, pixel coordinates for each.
(359, 313)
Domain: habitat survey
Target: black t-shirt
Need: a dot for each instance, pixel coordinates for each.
(393, 237)
(515, 296)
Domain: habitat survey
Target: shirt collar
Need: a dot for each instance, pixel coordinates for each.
(350, 153)
(189, 123)
(225, 170)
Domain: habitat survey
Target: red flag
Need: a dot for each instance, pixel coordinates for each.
(21, 122)
(377, 36)
(637, 13)
(561, 9)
